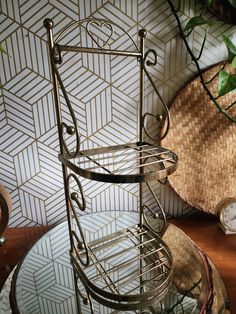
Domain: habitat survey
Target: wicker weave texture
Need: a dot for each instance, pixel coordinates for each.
(189, 267)
(205, 142)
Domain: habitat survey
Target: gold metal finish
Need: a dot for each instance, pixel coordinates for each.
(122, 163)
(139, 272)
(114, 279)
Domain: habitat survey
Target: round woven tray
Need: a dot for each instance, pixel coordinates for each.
(205, 142)
(191, 264)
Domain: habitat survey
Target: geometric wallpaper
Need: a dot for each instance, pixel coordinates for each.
(29, 167)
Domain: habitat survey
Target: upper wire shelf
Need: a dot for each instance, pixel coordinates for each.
(128, 163)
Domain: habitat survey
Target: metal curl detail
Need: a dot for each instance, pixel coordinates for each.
(70, 130)
(81, 243)
(158, 118)
(155, 215)
(151, 63)
(74, 196)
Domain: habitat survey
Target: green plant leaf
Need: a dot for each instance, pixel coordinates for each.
(233, 3)
(233, 64)
(197, 21)
(226, 83)
(230, 47)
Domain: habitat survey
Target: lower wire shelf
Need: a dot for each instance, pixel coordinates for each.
(127, 270)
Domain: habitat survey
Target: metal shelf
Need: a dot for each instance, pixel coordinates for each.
(126, 163)
(127, 270)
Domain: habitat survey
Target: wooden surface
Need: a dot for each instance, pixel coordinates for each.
(221, 249)
(204, 231)
(18, 242)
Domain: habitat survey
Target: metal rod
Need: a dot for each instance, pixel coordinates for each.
(100, 51)
(125, 250)
(105, 259)
(98, 165)
(136, 276)
(133, 150)
(122, 154)
(142, 35)
(144, 246)
(113, 238)
(111, 149)
(145, 282)
(96, 265)
(143, 165)
(159, 204)
(125, 161)
(128, 262)
(48, 24)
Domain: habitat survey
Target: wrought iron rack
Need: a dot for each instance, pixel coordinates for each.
(138, 272)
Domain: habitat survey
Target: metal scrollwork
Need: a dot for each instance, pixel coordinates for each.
(149, 62)
(147, 54)
(158, 118)
(78, 237)
(74, 196)
(70, 130)
(154, 214)
(81, 245)
(100, 24)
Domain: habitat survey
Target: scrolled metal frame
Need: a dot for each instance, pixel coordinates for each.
(71, 130)
(146, 63)
(79, 245)
(73, 196)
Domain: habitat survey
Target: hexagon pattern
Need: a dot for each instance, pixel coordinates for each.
(29, 167)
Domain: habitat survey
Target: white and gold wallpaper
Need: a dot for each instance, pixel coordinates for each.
(29, 167)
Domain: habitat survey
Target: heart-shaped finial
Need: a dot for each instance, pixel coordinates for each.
(99, 24)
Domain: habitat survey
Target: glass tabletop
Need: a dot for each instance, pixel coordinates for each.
(44, 282)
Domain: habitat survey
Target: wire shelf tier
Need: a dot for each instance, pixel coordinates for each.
(128, 163)
(127, 270)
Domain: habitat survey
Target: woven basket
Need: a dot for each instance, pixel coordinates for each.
(190, 265)
(205, 142)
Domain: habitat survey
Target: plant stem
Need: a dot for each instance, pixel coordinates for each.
(195, 60)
